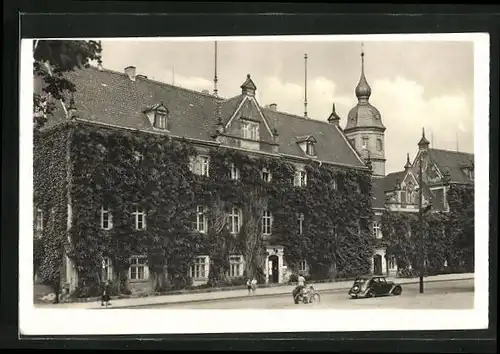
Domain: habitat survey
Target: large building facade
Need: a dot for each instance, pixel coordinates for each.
(132, 103)
(128, 102)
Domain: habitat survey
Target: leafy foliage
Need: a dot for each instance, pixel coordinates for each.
(124, 170)
(50, 195)
(447, 235)
(52, 59)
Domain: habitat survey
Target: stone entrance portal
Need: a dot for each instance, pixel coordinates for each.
(274, 264)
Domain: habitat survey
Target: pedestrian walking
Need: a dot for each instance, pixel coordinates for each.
(249, 286)
(105, 295)
(254, 285)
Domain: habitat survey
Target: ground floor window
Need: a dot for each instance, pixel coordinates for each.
(236, 266)
(392, 264)
(302, 266)
(106, 272)
(138, 268)
(199, 269)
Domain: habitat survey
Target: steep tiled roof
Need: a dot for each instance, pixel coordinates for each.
(391, 179)
(452, 161)
(331, 145)
(110, 97)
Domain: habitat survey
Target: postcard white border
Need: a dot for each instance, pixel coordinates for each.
(36, 321)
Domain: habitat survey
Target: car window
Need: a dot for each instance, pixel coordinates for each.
(382, 280)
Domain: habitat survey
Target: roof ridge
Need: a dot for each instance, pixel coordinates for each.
(454, 152)
(161, 83)
(291, 115)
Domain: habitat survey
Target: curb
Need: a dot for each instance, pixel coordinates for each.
(266, 295)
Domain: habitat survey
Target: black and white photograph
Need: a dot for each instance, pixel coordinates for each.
(254, 184)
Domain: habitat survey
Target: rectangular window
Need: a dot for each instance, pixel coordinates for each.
(201, 221)
(266, 222)
(199, 268)
(302, 266)
(138, 268)
(377, 233)
(235, 220)
(266, 175)
(335, 184)
(310, 149)
(236, 266)
(365, 142)
(160, 121)
(300, 219)
(250, 130)
(106, 218)
(39, 220)
(392, 263)
(200, 165)
(106, 273)
(139, 218)
(235, 172)
(300, 179)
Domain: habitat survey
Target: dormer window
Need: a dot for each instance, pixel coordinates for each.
(158, 116)
(469, 172)
(306, 143)
(365, 142)
(160, 120)
(310, 149)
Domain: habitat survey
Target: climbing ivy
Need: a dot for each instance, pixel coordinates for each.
(448, 236)
(122, 170)
(50, 196)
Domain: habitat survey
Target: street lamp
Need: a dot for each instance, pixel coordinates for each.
(421, 212)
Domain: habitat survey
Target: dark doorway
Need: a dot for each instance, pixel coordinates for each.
(377, 264)
(274, 276)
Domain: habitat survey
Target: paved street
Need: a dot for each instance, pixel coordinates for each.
(437, 295)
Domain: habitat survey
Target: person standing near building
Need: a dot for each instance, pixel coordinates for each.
(254, 285)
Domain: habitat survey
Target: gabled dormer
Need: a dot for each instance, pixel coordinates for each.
(158, 115)
(248, 126)
(308, 144)
(468, 170)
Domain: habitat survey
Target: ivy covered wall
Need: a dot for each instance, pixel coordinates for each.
(50, 187)
(123, 170)
(448, 236)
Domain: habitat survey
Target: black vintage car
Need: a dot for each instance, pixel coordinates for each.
(372, 286)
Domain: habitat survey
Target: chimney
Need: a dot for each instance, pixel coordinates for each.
(130, 71)
(273, 107)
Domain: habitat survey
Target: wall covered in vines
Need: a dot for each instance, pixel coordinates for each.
(448, 236)
(50, 196)
(122, 170)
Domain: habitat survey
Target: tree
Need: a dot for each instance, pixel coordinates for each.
(52, 59)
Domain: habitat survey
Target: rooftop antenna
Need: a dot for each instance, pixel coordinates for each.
(215, 73)
(305, 85)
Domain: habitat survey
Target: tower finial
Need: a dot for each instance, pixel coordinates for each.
(408, 163)
(305, 85)
(216, 91)
(363, 90)
(423, 143)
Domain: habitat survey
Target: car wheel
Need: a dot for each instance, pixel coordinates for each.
(397, 290)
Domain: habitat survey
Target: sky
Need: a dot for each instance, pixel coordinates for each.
(415, 84)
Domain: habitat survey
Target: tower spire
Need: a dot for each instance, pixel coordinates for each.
(305, 85)
(408, 163)
(363, 90)
(216, 91)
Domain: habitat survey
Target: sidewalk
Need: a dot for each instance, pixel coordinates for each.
(239, 293)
